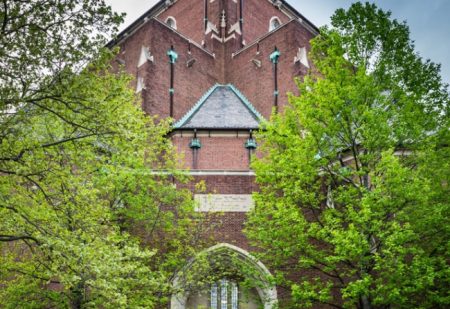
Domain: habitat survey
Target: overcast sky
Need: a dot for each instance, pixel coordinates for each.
(428, 20)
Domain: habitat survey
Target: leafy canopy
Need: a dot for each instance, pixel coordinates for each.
(77, 157)
(354, 174)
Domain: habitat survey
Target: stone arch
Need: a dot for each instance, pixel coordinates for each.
(266, 292)
(274, 23)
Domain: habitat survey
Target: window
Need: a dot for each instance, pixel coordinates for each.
(274, 23)
(171, 22)
(224, 295)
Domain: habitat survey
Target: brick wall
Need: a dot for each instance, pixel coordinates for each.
(189, 16)
(216, 153)
(225, 152)
(227, 227)
(256, 17)
(257, 83)
(214, 63)
(190, 83)
(257, 14)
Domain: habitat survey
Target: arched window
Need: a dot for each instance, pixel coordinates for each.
(171, 22)
(274, 23)
(224, 294)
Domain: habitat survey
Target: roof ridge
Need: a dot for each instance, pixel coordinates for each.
(196, 107)
(246, 102)
(242, 99)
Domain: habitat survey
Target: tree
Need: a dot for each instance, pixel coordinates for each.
(354, 209)
(69, 195)
(77, 169)
(40, 39)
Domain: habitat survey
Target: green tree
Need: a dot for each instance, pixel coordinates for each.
(354, 209)
(77, 162)
(40, 39)
(70, 194)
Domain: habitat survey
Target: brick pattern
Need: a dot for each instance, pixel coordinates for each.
(226, 227)
(257, 83)
(224, 184)
(225, 152)
(216, 153)
(257, 15)
(190, 83)
(189, 16)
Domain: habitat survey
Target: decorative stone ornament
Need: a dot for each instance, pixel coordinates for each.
(257, 63)
(140, 85)
(170, 2)
(145, 56)
(302, 57)
(277, 3)
(210, 27)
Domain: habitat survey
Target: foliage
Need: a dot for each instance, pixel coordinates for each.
(211, 266)
(353, 209)
(77, 162)
(73, 180)
(40, 39)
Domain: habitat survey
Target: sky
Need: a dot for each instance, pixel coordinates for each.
(428, 20)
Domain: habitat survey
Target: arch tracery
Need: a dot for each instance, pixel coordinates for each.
(225, 253)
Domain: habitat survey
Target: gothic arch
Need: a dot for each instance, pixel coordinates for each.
(267, 292)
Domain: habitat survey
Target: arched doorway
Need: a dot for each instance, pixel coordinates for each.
(227, 291)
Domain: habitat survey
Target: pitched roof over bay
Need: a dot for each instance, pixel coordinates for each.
(222, 107)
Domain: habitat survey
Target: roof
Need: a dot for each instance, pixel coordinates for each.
(152, 12)
(221, 107)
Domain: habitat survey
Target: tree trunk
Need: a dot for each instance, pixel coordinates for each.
(365, 302)
(77, 297)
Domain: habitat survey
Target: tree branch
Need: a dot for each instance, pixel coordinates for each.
(7, 238)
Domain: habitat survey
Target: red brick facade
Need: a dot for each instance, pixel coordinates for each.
(216, 57)
(216, 62)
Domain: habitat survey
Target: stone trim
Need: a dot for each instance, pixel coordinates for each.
(267, 293)
(223, 202)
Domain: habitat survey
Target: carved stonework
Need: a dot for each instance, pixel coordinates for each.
(302, 57)
(145, 56)
(223, 202)
(277, 3)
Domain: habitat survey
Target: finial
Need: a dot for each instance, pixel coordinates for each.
(223, 23)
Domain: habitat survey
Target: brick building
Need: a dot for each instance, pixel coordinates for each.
(218, 67)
